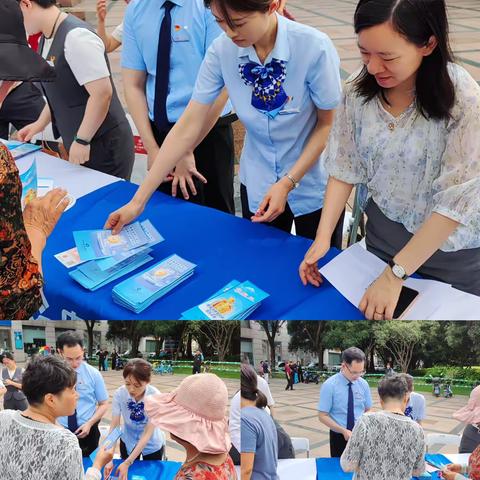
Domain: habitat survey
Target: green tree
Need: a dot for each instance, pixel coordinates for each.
(129, 330)
(400, 338)
(307, 336)
(90, 326)
(271, 329)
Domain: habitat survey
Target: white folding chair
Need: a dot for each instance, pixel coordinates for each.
(441, 439)
(301, 445)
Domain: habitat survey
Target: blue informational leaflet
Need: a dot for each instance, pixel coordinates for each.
(20, 149)
(29, 181)
(140, 291)
(236, 301)
(96, 244)
(108, 443)
(91, 277)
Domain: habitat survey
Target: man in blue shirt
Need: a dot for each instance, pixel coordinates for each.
(164, 43)
(416, 403)
(344, 398)
(92, 394)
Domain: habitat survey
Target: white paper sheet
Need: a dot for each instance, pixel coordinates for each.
(355, 269)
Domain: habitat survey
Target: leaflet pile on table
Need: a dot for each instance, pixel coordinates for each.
(140, 291)
(108, 257)
(235, 301)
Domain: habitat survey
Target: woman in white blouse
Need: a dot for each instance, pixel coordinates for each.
(408, 130)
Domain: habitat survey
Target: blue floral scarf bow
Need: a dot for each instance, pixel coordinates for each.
(268, 95)
(137, 411)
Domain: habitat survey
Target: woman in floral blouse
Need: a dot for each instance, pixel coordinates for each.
(22, 236)
(407, 129)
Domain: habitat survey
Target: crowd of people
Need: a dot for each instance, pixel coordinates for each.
(388, 442)
(403, 128)
(55, 405)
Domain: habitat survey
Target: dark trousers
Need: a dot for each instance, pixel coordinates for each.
(90, 442)
(113, 152)
(305, 225)
(196, 369)
(289, 382)
(235, 455)
(214, 159)
(337, 444)
(21, 107)
(13, 404)
(158, 455)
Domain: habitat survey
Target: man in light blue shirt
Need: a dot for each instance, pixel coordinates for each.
(416, 408)
(92, 394)
(148, 77)
(344, 398)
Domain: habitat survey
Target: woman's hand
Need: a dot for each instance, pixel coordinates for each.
(42, 214)
(123, 216)
(108, 469)
(103, 457)
(29, 131)
(183, 176)
(101, 10)
(450, 471)
(308, 269)
(381, 297)
(273, 204)
(122, 471)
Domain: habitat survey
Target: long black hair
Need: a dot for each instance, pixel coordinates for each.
(416, 21)
(249, 387)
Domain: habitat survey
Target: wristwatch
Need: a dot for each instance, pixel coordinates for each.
(293, 180)
(81, 141)
(398, 270)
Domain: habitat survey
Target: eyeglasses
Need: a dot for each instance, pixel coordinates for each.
(359, 374)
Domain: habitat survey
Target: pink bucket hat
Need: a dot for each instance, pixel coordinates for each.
(471, 412)
(195, 412)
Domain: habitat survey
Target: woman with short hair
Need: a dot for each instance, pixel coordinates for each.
(34, 446)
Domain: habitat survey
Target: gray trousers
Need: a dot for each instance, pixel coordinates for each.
(385, 238)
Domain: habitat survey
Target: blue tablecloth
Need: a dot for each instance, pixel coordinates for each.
(147, 469)
(223, 246)
(330, 469)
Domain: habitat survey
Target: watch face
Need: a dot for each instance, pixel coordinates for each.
(398, 271)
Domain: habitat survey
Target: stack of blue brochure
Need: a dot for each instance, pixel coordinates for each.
(140, 291)
(20, 149)
(113, 256)
(235, 301)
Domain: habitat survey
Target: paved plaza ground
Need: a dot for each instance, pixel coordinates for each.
(297, 412)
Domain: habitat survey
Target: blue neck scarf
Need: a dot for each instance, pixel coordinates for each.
(268, 95)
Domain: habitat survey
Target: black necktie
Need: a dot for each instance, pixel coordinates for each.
(350, 410)
(160, 117)
(72, 422)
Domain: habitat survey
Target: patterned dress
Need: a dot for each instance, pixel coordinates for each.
(206, 471)
(20, 279)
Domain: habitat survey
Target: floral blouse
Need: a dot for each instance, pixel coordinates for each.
(206, 471)
(20, 279)
(412, 166)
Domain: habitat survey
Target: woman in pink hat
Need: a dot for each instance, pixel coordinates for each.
(470, 414)
(195, 415)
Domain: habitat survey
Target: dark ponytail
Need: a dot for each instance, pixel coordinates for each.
(249, 387)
